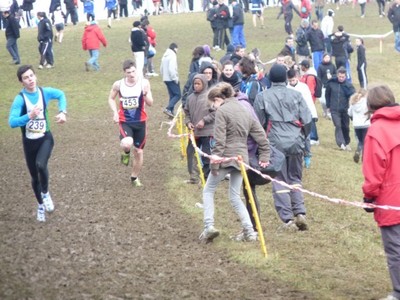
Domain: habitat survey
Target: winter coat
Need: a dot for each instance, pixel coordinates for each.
(45, 30)
(197, 109)
(69, 4)
(394, 16)
(238, 15)
(138, 40)
(316, 39)
(381, 161)
(12, 29)
(287, 9)
(361, 58)
(338, 42)
(324, 69)
(301, 41)
(284, 113)
(233, 124)
(305, 92)
(287, 51)
(327, 26)
(151, 35)
(305, 9)
(337, 95)
(357, 112)
(222, 17)
(27, 5)
(92, 37)
(169, 66)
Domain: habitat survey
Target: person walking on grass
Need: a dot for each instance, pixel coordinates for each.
(134, 93)
(285, 114)
(358, 112)
(58, 18)
(382, 175)
(29, 112)
(91, 39)
(12, 35)
(337, 94)
(45, 39)
(233, 124)
(111, 6)
(170, 75)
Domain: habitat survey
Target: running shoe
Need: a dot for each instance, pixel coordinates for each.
(209, 234)
(136, 182)
(125, 158)
(48, 202)
(41, 213)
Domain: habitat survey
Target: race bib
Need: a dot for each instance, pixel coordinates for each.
(130, 103)
(35, 128)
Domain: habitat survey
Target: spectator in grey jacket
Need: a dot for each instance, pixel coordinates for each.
(285, 113)
(169, 73)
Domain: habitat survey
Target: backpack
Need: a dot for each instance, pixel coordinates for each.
(318, 85)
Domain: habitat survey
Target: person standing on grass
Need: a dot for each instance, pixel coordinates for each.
(58, 18)
(111, 6)
(45, 39)
(134, 93)
(358, 112)
(287, 12)
(70, 6)
(257, 10)
(337, 94)
(233, 124)
(394, 18)
(238, 38)
(27, 6)
(91, 39)
(29, 112)
(382, 175)
(123, 8)
(284, 113)
(361, 63)
(88, 9)
(138, 45)
(12, 35)
(170, 75)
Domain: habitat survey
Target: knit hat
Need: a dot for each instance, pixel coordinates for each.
(230, 48)
(305, 63)
(277, 73)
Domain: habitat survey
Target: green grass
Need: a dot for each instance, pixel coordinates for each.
(341, 256)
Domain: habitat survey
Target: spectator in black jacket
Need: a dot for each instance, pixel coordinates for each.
(325, 72)
(288, 49)
(70, 6)
(12, 34)
(238, 38)
(394, 18)
(222, 17)
(338, 41)
(361, 63)
(27, 6)
(45, 39)
(337, 94)
(138, 46)
(316, 39)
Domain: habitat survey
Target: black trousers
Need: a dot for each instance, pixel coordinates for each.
(37, 153)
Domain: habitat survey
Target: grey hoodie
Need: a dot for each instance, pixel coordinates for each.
(169, 66)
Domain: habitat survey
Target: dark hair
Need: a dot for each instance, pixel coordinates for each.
(128, 64)
(221, 90)
(136, 24)
(41, 14)
(341, 70)
(22, 69)
(291, 73)
(340, 28)
(247, 66)
(197, 53)
(173, 46)
(238, 48)
(228, 62)
(288, 38)
(379, 97)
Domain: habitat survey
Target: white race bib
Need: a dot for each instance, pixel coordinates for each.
(130, 103)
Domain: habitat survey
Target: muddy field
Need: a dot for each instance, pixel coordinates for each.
(106, 239)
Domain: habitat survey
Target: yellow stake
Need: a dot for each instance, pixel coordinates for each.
(203, 181)
(253, 206)
(180, 130)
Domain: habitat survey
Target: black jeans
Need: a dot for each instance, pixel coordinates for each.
(37, 153)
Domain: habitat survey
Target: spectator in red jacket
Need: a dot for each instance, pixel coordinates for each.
(305, 9)
(92, 37)
(151, 51)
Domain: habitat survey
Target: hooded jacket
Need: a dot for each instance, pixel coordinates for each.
(197, 109)
(92, 37)
(284, 113)
(169, 66)
(381, 161)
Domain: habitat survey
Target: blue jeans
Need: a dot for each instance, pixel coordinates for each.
(317, 58)
(314, 132)
(93, 60)
(235, 183)
(12, 47)
(174, 92)
(238, 36)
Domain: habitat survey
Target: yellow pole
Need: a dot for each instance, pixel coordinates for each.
(180, 130)
(253, 206)
(203, 181)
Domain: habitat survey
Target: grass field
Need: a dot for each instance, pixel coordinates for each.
(341, 256)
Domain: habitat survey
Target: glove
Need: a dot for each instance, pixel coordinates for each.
(368, 200)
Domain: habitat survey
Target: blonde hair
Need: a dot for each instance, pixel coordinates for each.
(357, 96)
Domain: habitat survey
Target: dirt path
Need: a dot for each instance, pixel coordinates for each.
(107, 240)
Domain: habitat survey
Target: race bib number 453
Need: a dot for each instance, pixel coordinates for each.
(130, 103)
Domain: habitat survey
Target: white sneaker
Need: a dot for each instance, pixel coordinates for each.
(314, 143)
(41, 213)
(343, 147)
(47, 202)
(348, 148)
(40, 67)
(209, 234)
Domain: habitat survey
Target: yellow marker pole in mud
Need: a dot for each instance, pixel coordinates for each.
(203, 181)
(180, 130)
(253, 206)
